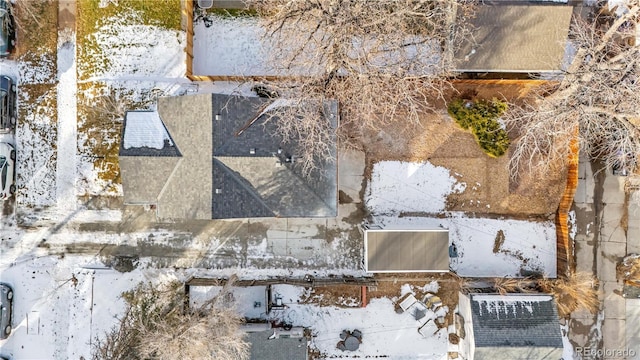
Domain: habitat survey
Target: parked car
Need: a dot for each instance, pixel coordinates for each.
(7, 103)
(7, 34)
(7, 170)
(6, 303)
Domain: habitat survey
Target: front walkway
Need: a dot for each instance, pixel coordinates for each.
(67, 109)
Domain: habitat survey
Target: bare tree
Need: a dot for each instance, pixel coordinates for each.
(382, 60)
(595, 104)
(157, 325)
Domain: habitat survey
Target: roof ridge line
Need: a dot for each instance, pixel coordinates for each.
(243, 184)
(166, 184)
(312, 191)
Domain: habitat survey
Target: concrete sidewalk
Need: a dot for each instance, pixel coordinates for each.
(600, 243)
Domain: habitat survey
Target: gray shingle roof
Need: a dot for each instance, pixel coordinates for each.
(248, 166)
(515, 321)
(516, 38)
(276, 349)
(216, 175)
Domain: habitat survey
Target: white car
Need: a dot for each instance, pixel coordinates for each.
(7, 170)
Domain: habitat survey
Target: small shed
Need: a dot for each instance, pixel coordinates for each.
(406, 250)
(511, 326)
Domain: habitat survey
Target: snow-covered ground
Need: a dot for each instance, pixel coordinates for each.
(409, 187)
(525, 245)
(67, 123)
(398, 187)
(228, 46)
(62, 305)
(385, 333)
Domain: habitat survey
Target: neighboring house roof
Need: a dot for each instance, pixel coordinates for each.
(516, 38)
(221, 172)
(406, 250)
(263, 348)
(522, 326)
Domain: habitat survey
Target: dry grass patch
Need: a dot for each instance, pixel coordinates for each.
(91, 18)
(334, 295)
(37, 28)
(629, 269)
(578, 291)
(36, 136)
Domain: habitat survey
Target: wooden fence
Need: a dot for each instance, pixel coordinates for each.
(564, 246)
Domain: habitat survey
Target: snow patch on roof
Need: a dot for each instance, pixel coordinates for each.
(508, 298)
(145, 129)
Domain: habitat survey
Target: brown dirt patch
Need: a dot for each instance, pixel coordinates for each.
(335, 295)
(437, 139)
(389, 286)
(513, 91)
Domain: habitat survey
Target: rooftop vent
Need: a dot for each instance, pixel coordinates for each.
(252, 151)
(218, 191)
(218, 117)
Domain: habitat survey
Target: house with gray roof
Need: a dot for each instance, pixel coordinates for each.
(516, 38)
(511, 326)
(276, 344)
(214, 156)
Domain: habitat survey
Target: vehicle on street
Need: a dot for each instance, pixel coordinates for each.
(7, 104)
(6, 303)
(7, 34)
(7, 170)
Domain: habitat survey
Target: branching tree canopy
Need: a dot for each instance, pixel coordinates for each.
(156, 325)
(380, 59)
(597, 99)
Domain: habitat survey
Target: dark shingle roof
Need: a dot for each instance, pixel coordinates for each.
(268, 184)
(515, 321)
(237, 199)
(217, 175)
(276, 349)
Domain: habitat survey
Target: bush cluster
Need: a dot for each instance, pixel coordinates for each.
(481, 117)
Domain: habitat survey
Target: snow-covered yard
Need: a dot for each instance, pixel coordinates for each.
(490, 247)
(228, 47)
(486, 247)
(122, 65)
(62, 305)
(385, 333)
(397, 187)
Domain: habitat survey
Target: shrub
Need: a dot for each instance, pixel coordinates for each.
(481, 117)
(578, 291)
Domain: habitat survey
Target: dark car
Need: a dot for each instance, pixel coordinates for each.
(6, 29)
(7, 103)
(6, 303)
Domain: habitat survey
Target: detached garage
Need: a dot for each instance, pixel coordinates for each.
(406, 250)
